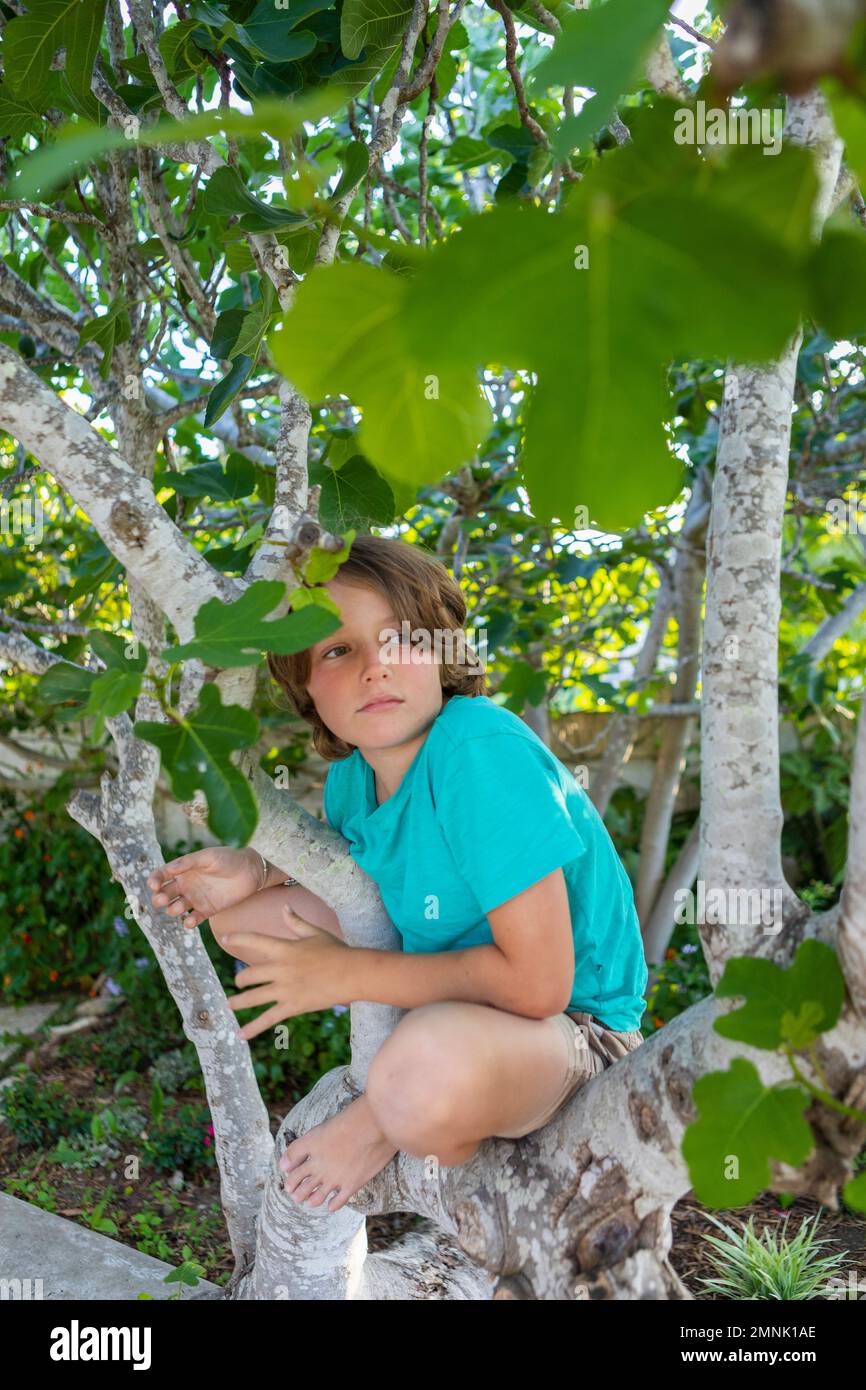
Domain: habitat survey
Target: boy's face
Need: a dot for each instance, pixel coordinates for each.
(361, 662)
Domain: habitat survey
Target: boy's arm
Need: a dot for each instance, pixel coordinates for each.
(528, 970)
(263, 911)
(477, 974)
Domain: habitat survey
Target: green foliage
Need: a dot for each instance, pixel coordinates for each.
(31, 41)
(229, 484)
(602, 48)
(56, 904)
(110, 329)
(838, 282)
(625, 262)
(353, 495)
(783, 1007)
(742, 1123)
(224, 392)
(194, 751)
(186, 1275)
(80, 143)
(770, 1266)
(39, 1112)
(235, 634)
(112, 1132)
(184, 1140)
(681, 981)
(442, 412)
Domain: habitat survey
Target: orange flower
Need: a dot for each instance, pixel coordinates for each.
(46, 858)
(52, 974)
(29, 815)
(659, 1023)
(670, 953)
(27, 937)
(19, 833)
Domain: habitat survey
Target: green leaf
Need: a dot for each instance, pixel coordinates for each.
(744, 267)
(210, 480)
(372, 25)
(272, 36)
(342, 446)
(344, 333)
(849, 118)
(854, 1193)
(17, 117)
(523, 683)
(252, 533)
(255, 323)
(837, 284)
(223, 393)
(182, 57)
(225, 333)
(120, 653)
(157, 1102)
(195, 757)
(467, 153)
(226, 194)
(623, 266)
(355, 159)
(355, 495)
(774, 1012)
(604, 49)
(234, 634)
(113, 692)
(322, 565)
(31, 41)
(742, 1125)
(108, 330)
(79, 144)
(318, 596)
(63, 682)
(777, 192)
(800, 1030)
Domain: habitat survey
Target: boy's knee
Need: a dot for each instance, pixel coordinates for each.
(419, 1072)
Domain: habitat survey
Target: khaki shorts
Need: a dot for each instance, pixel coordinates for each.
(592, 1048)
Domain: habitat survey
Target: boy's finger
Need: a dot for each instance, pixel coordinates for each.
(162, 882)
(171, 868)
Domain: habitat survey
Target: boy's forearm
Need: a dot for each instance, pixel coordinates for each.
(250, 913)
(476, 974)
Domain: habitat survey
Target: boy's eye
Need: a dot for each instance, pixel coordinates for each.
(341, 647)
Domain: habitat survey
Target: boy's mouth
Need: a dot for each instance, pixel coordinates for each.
(381, 702)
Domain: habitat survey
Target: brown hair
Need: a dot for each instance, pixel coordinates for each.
(421, 591)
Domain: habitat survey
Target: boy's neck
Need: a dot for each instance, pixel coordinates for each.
(390, 765)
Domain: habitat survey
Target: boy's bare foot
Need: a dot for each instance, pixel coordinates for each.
(344, 1152)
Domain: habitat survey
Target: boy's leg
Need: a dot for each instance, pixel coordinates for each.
(454, 1073)
(450, 1075)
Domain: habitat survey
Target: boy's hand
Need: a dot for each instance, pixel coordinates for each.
(197, 886)
(296, 976)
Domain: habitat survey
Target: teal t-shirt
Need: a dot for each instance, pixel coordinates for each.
(485, 810)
